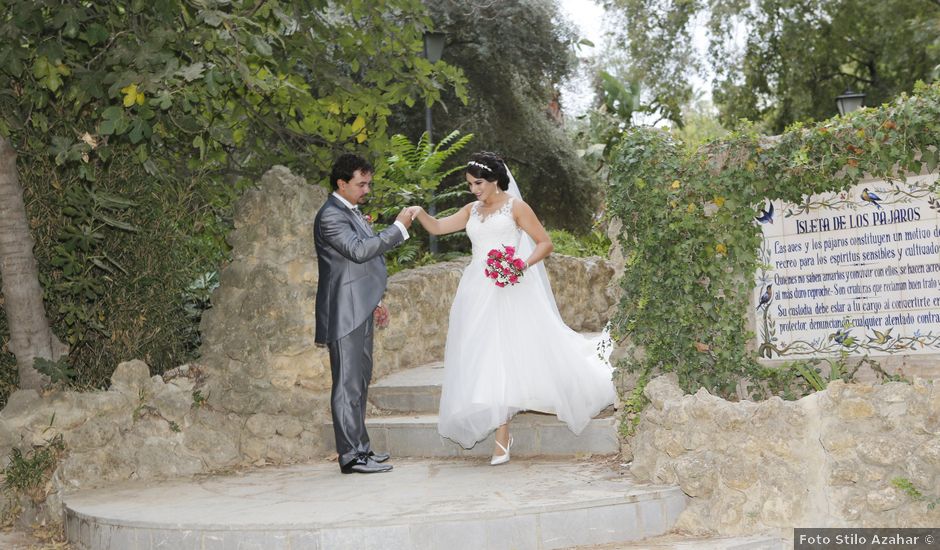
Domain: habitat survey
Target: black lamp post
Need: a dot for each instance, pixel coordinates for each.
(433, 50)
(850, 101)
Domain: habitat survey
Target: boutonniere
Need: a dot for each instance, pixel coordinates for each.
(368, 218)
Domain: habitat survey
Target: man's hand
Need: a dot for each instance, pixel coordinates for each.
(405, 217)
(380, 316)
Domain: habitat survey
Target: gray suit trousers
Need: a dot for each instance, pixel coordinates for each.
(351, 365)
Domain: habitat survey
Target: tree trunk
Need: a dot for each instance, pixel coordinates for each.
(30, 336)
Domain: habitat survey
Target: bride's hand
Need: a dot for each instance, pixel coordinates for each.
(415, 211)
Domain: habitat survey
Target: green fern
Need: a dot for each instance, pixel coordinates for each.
(407, 253)
(415, 171)
(413, 174)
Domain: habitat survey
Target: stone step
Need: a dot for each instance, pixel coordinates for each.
(416, 390)
(673, 541)
(421, 504)
(533, 434)
(412, 390)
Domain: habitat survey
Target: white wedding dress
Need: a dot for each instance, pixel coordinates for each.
(508, 350)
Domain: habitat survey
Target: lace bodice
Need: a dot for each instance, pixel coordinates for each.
(495, 230)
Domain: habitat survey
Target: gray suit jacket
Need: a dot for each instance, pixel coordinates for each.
(352, 274)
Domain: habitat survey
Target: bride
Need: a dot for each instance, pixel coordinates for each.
(507, 348)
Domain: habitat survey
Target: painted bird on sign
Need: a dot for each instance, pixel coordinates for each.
(881, 338)
(767, 214)
(843, 338)
(765, 297)
(870, 196)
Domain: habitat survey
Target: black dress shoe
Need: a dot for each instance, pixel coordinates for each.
(365, 466)
(379, 457)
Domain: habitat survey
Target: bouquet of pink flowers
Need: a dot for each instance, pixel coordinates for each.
(503, 266)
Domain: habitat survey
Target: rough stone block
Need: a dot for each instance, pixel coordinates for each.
(20, 402)
(663, 389)
(130, 376)
(882, 450)
(95, 433)
(884, 499)
(854, 409)
(697, 474)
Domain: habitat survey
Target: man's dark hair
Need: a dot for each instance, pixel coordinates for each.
(346, 165)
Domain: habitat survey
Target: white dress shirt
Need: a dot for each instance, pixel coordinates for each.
(401, 227)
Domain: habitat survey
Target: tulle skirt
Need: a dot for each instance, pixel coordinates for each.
(508, 351)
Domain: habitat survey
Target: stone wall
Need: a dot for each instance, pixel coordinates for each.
(260, 390)
(827, 460)
(143, 427)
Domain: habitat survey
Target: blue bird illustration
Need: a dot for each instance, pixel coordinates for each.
(765, 297)
(870, 196)
(767, 214)
(842, 338)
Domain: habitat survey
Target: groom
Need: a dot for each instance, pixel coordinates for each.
(351, 284)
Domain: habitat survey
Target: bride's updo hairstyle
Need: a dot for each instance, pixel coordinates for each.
(489, 167)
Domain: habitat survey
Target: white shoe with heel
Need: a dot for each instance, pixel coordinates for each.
(503, 458)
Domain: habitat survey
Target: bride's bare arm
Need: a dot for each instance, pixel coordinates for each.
(527, 220)
(443, 226)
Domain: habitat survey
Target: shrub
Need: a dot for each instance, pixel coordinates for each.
(594, 243)
(689, 239)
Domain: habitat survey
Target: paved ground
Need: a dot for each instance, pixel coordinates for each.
(422, 503)
(320, 495)
(313, 495)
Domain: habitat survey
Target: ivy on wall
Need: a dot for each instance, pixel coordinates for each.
(691, 241)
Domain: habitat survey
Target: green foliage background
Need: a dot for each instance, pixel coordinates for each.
(689, 276)
(593, 243)
(147, 305)
(8, 375)
(515, 54)
(776, 62)
(137, 123)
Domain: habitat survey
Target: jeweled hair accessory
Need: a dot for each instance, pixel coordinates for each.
(479, 165)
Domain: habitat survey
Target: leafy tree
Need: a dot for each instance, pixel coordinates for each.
(600, 130)
(654, 47)
(796, 55)
(31, 337)
(197, 95)
(515, 54)
(693, 247)
(617, 102)
(700, 124)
